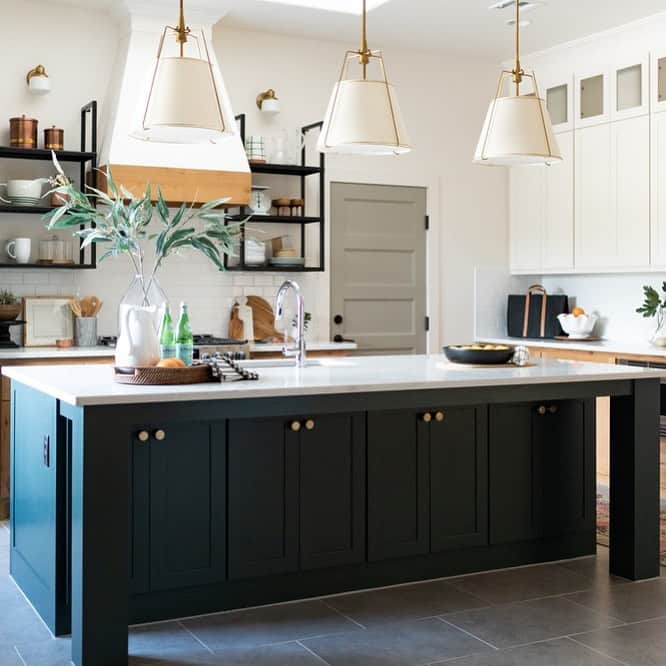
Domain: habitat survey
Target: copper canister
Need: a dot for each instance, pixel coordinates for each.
(23, 132)
(54, 138)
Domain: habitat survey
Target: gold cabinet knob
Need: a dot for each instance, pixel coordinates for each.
(309, 424)
(427, 417)
(553, 409)
(295, 426)
(143, 436)
(439, 417)
(160, 435)
(541, 410)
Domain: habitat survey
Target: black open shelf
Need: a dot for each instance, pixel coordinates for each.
(83, 158)
(50, 267)
(275, 219)
(43, 154)
(284, 169)
(301, 171)
(32, 210)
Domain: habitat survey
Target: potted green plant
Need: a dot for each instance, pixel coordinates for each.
(123, 224)
(655, 306)
(10, 306)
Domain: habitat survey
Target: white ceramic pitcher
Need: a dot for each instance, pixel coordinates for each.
(138, 345)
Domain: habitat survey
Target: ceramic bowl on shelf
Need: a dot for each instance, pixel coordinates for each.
(578, 327)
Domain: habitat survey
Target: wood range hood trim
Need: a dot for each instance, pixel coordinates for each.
(181, 185)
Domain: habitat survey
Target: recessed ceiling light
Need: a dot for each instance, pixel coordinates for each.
(523, 23)
(342, 6)
(525, 5)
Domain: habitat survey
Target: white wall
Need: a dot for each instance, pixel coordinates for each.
(443, 100)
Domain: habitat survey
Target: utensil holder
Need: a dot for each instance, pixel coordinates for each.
(85, 331)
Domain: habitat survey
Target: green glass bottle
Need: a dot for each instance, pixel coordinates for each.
(167, 336)
(184, 338)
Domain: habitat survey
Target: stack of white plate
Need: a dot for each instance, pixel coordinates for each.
(24, 201)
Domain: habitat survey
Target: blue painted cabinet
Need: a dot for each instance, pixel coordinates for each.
(296, 493)
(177, 481)
(38, 503)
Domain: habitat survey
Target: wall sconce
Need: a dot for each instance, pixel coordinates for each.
(268, 102)
(38, 81)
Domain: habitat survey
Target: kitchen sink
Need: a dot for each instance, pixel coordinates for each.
(291, 363)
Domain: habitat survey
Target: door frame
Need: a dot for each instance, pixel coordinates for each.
(433, 292)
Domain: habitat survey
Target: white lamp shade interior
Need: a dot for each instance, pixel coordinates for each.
(183, 106)
(363, 117)
(517, 131)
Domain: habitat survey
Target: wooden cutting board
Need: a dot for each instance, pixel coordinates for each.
(263, 317)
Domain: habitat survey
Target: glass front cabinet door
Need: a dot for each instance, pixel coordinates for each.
(658, 81)
(592, 98)
(559, 100)
(630, 88)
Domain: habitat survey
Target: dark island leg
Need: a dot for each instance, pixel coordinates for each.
(634, 482)
(100, 542)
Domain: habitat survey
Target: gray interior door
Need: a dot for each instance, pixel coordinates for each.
(378, 267)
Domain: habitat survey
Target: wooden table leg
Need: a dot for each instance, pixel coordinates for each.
(100, 542)
(634, 482)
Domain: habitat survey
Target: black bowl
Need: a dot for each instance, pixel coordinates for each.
(479, 356)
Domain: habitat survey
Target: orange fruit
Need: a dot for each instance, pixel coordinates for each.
(577, 312)
(171, 363)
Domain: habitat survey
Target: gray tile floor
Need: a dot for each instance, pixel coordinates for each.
(568, 614)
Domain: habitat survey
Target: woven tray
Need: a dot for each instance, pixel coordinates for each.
(196, 374)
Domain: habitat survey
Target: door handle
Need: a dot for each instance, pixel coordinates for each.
(339, 338)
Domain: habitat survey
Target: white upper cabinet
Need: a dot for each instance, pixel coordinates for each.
(558, 93)
(542, 214)
(526, 214)
(592, 94)
(558, 223)
(658, 175)
(658, 81)
(595, 244)
(612, 195)
(630, 88)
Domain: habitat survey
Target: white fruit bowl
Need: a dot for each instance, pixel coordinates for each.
(580, 327)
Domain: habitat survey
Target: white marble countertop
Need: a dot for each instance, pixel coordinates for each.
(30, 353)
(93, 385)
(636, 347)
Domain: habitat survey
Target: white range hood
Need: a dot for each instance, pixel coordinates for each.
(186, 172)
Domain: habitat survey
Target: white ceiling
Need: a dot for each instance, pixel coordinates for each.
(465, 27)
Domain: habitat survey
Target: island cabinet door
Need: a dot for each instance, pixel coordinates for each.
(188, 511)
(542, 467)
(398, 484)
(332, 491)
(511, 473)
(458, 478)
(263, 496)
(564, 466)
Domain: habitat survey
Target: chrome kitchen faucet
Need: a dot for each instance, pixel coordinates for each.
(299, 350)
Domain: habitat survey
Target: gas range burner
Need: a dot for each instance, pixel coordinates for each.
(207, 340)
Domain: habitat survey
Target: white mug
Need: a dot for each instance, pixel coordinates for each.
(19, 250)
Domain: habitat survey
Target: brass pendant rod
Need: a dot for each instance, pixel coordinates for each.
(364, 54)
(182, 30)
(517, 69)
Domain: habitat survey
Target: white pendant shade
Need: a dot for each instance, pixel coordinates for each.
(363, 117)
(517, 131)
(183, 106)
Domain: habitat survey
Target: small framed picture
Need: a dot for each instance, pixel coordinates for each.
(48, 318)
